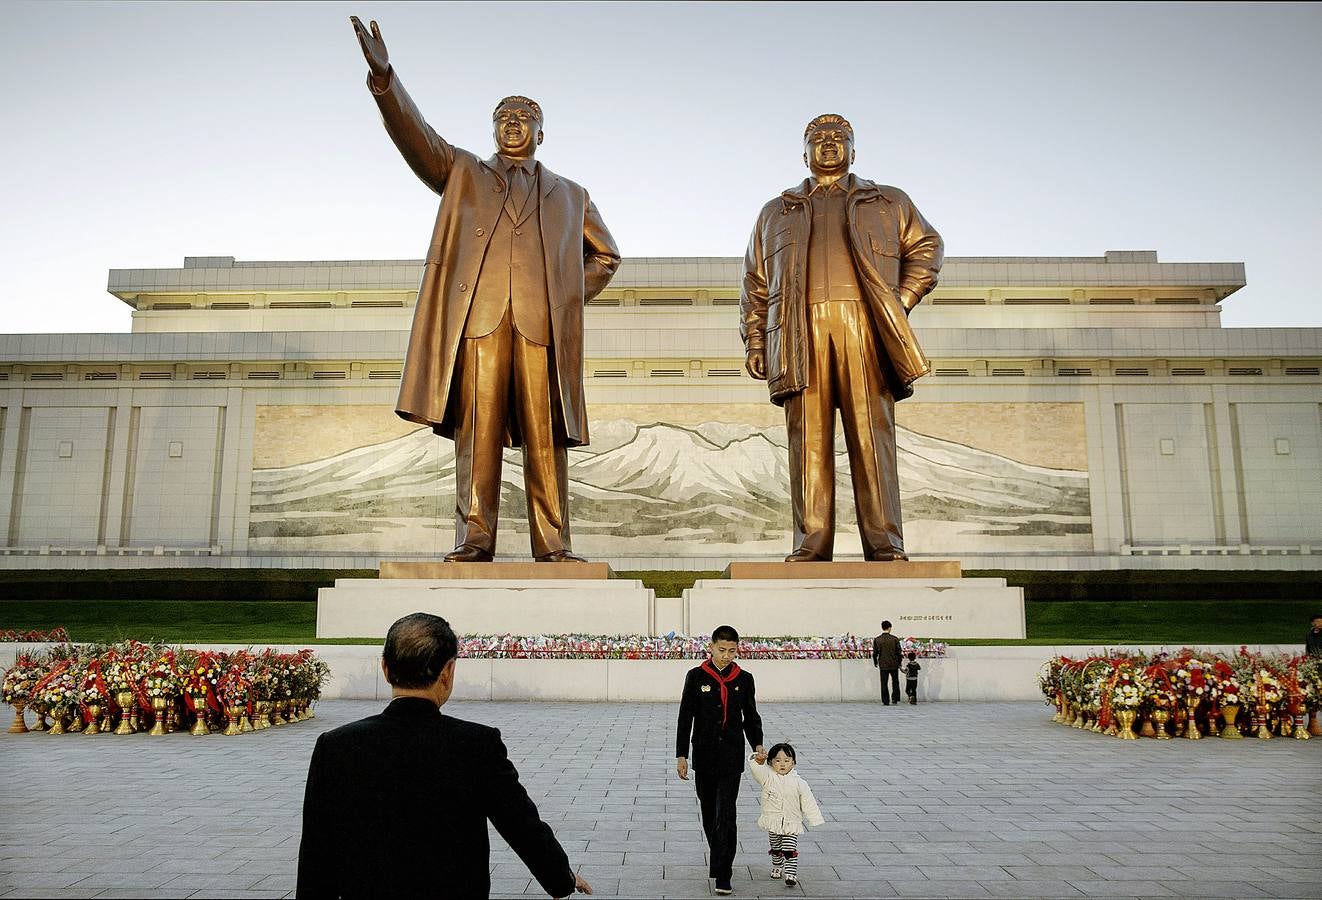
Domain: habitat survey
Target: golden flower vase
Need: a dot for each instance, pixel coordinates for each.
(200, 728)
(40, 710)
(1301, 728)
(232, 713)
(1228, 715)
(125, 701)
(94, 726)
(57, 724)
(1160, 717)
(1126, 725)
(1191, 721)
(20, 725)
(158, 708)
(1314, 723)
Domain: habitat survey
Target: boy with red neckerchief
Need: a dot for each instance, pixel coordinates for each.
(717, 711)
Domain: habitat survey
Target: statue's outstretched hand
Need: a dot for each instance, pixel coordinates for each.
(374, 48)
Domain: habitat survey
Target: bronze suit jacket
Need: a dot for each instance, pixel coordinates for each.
(894, 249)
(580, 258)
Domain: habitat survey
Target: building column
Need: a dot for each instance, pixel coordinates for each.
(117, 449)
(1105, 471)
(1228, 500)
(9, 462)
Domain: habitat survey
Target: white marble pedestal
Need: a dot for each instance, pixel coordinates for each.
(917, 607)
(361, 607)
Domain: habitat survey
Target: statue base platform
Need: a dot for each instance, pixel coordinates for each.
(921, 599)
(490, 598)
(496, 571)
(900, 568)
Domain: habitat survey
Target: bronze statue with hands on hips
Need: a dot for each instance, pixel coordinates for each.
(834, 266)
(495, 354)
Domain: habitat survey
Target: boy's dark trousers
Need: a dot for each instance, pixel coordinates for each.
(911, 689)
(717, 795)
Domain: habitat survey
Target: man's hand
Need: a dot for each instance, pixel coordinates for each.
(756, 363)
(374, 49)
(581, 886)
(908, 300)
(760, 755)
(682, 767)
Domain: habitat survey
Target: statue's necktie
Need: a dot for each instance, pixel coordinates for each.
(518, 188)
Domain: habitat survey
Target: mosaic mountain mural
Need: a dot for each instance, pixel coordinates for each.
(659, 489)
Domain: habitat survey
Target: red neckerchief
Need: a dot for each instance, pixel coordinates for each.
(731, 674)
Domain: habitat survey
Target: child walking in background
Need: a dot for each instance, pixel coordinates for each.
(911, 678)
(787, 806)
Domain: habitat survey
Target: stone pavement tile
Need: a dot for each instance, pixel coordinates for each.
(282, 881)
(68, 893)
(965, 873)
(209, 894)
(988, 858)
(196, 881)
(132, 893)
(510, 885)
(1128, 889)
(668, 887)
(1060, 872)
(12, 880)
(1031, 888)
(889, 873)
(179, 864)
(952, 889)
(859, 889)
(1197, 888)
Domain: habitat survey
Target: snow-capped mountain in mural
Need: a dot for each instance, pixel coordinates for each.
(712, 484)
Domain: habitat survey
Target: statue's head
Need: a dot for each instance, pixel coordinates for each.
(517, 126)
(828, 145)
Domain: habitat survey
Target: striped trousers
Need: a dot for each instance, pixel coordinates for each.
(785, 854)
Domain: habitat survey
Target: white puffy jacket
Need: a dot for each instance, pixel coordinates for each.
(787, 801)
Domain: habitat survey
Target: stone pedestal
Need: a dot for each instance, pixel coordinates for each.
(489, 598)
(808, 599)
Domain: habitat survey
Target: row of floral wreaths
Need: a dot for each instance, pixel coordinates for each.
(1187, 694)
(131, 686)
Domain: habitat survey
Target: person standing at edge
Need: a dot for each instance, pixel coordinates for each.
(1313, 641)
(717, 711)
(886, 656)
(397, 804)
(496, 348)
(834, 266)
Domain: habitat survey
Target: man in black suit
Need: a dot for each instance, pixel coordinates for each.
(397, 804)
(886, 657)
(717, 710)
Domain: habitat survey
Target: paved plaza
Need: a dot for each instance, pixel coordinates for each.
(960, 800)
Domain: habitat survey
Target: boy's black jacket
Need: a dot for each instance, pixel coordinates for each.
(717, 749)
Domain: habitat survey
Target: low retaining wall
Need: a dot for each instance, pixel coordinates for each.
(967, 673)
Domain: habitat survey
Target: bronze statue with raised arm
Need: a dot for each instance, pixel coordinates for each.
(834, 266)
(496, 350)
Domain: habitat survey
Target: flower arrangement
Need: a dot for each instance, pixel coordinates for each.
(20, 678)
(66, 679)
(1191, 689)
(675, 646)
(54, 636)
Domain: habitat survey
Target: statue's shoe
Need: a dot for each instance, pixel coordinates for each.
(468, 553)
(559, 556)
(888, 556)
(804, 555)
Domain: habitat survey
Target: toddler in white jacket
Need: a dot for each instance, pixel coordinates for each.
(787, 807)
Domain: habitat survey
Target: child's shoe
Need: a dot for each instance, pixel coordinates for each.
(775, 873)
(790, 882)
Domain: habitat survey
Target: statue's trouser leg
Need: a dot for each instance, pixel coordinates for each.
(867, 415)
(484, 384)
(545, 465)
(810, 421)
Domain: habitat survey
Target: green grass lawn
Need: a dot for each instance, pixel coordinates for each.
(261, 622)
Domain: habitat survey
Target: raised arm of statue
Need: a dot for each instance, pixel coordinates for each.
(428, 154)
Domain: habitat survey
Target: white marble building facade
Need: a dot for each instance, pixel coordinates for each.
(1084, 413)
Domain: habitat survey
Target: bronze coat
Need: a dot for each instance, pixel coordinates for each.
(894, 249)
(580, 257)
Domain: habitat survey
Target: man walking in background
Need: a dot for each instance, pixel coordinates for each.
(886, 657)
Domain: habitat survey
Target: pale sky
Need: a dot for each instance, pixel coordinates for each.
(136, 134)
